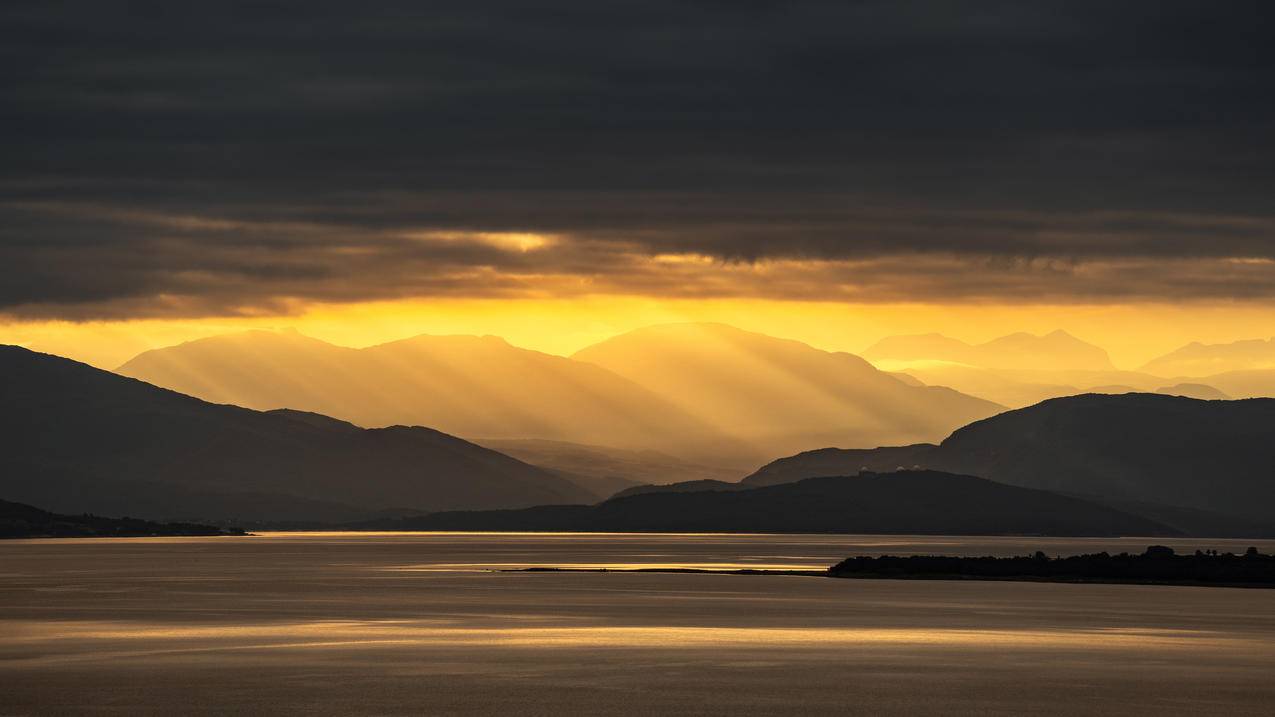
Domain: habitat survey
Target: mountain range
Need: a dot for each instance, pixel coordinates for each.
(79, 439)
(477, 386)
(911, 502)
(606, 470)
(1057, 350)
(780, 393)
(1200, 359)
(1173, 452)
(708, 393)
(1021, 369)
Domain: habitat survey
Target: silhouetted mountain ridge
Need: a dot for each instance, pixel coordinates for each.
(81, 439)
(911, 502)
(1174, 451)
(606, 470)
(18, 520)
(690, 486)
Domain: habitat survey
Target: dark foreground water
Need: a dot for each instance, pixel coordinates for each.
(418, 624)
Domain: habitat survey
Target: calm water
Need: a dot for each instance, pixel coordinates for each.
(419, 624)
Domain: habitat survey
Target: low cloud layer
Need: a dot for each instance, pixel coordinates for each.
(164, 160)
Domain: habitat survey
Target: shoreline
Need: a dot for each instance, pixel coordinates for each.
(910, 576)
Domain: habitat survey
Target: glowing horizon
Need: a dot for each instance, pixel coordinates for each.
(1131, 334)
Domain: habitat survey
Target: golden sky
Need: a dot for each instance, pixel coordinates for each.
(829, 172)
(1132, 333)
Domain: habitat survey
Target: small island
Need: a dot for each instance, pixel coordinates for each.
(1157, 565)
(18, 520)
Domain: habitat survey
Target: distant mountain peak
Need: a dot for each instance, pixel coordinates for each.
(685, 327)
(463, 384)
(488, 340)
(779, 392)
(1198, 359)
(285, 336)
(706, 391)
(1057, 349)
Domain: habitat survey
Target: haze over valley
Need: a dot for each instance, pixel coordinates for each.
(438, 424)
(708, 392)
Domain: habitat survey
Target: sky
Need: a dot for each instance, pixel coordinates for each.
(558, 172)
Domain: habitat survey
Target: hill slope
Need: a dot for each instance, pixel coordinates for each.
(80, 439)
(778, 394)
(1208, 455)
(840, 461)
(1201, 391)
(24, 521)
(687, 486)
(464, 385)
(605, 470)
(913, 502)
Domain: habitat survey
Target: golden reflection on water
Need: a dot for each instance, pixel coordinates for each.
(815, 564)
(344, 624)
(372, 633)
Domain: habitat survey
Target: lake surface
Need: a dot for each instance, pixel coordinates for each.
(384, 623)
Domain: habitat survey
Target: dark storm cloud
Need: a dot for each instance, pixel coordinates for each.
(159, 158)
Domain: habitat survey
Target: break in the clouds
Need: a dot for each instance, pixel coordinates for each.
(165, 159)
